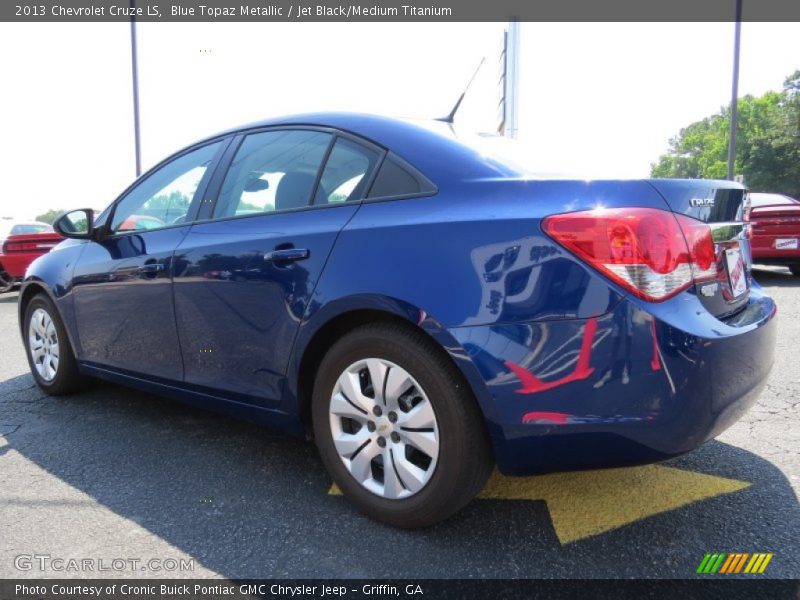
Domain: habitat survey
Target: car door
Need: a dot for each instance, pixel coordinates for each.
(122, 282)
(248, 273)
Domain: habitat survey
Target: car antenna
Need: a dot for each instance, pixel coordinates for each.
(449, 118)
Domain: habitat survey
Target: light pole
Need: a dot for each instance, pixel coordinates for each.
(735, 92)
(511, 80)
(135, 78)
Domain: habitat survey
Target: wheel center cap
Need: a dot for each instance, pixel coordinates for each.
(384, 426)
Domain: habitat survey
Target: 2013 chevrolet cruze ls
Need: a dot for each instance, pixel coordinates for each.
(426, 310)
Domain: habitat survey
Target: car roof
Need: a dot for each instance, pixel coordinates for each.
(766, 198)
(8, 224)
(22, 222)
(432, 146)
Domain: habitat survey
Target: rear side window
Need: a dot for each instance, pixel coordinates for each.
(346, 173)
(398, 178)
(272, 171)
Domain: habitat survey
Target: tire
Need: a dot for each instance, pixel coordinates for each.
(435, 393)
(795, 269)
(61, 375)
(6, 282)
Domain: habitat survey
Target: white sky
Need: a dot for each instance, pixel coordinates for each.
(596, 99)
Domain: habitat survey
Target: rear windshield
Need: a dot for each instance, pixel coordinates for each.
(767, 199)
(23, 228)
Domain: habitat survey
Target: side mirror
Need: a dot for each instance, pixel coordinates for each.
(78, 224)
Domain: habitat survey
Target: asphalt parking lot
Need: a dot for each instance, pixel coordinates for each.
(118, 474)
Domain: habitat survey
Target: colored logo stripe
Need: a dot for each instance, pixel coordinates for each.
(734, 562)
(710, 563)
(728, 562)
(758, 563)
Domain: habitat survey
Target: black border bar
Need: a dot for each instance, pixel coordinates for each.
(396, 10)
(721, 587)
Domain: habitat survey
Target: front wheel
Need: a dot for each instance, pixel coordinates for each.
(397, 427)
(50, 356)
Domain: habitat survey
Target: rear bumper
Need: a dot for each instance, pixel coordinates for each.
(773, 258)
(764, 250)
(639, 384)
(16, 263)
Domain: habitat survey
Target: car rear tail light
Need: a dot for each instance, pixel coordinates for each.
(653, 253)
(19, 246)
(747, 210)
(700, 242)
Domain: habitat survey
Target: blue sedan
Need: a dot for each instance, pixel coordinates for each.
(425, 309)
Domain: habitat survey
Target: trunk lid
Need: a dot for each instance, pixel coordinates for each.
(30, 243)
(776, 219)
(724, 206)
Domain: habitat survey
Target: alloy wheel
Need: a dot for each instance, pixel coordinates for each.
(43, 344)
(384, 428)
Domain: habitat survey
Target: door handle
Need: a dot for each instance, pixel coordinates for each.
(150, 269)
(287, 255)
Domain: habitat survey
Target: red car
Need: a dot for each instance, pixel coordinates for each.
(20, 244)
(776, 230)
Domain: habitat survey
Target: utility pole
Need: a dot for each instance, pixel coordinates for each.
(735, 93)
(509, 118)
(135, 77)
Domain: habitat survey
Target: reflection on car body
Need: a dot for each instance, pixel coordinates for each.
(425, 309)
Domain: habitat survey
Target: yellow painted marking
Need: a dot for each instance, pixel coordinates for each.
(587, 503)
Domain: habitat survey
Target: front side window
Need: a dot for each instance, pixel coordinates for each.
(272, 171)
(163, 198)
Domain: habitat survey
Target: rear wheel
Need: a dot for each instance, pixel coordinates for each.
(397, 428)
(50, 356)
(795, 269)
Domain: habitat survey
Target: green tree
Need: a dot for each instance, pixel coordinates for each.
(49, 216)
(767, 143)
(165, 202)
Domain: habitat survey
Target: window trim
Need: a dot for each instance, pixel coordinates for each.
(320, 171)
(202, 187)
(382, 153)
(209, 202)
(225, 163)
(415, 172)
(211, 184)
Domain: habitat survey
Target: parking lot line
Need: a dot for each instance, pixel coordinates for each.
(583, 504)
